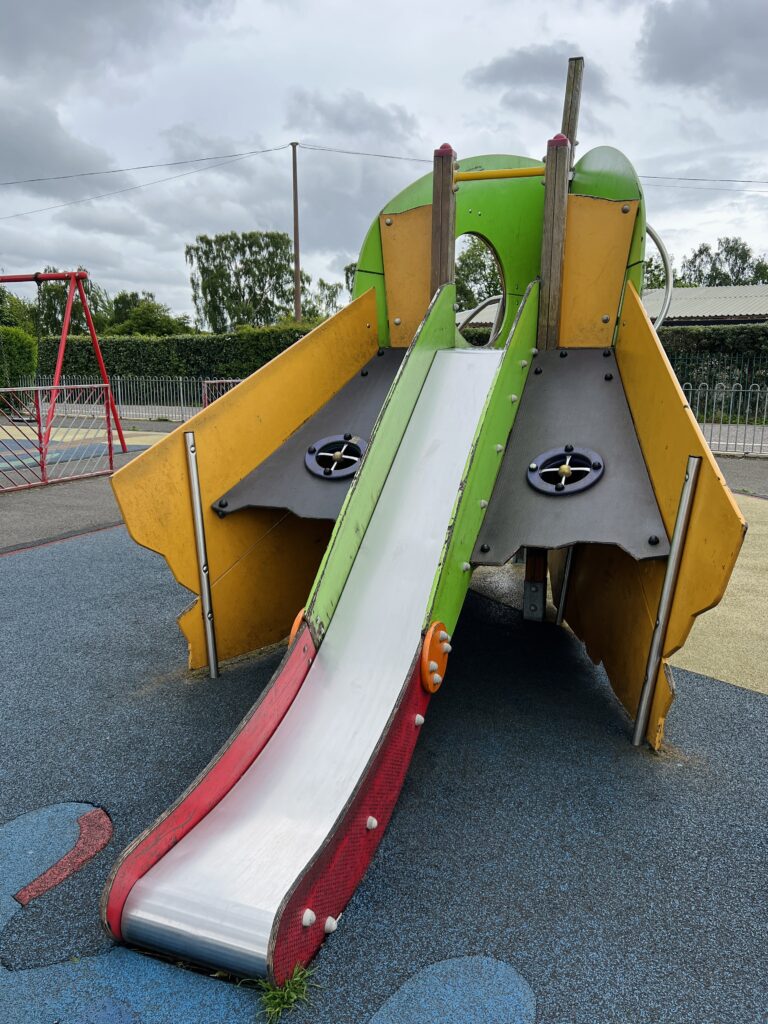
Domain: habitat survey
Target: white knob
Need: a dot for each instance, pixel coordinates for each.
(419, 720)
(371, 824)
(309, 918)
(331, 924)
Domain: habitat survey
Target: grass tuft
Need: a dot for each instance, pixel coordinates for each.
(279, 999)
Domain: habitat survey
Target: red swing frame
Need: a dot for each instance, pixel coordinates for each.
(75, 279)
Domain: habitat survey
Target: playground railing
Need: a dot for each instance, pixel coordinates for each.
(733, 418)
(49, 434)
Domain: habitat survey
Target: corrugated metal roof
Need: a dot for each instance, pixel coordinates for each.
(722, 302)
(738, 300)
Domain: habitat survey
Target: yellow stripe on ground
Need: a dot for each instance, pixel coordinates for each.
(729, 641)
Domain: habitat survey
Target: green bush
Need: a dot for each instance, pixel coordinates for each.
(18, 355)
(186, 355)
(737, 339)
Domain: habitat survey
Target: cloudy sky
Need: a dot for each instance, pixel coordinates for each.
(679, 85)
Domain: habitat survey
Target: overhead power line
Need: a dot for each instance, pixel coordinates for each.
(143, 184)
(212, 162)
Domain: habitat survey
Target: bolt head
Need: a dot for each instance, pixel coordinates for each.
(388, 221)
(311, 449)
(606, 319)
(569, 448)
(537, 371)
(563, 353)
(327, 472)
(653, 540)
(398, 321)
(533, 467)
(597, 465)
(347, 437)
(609, 376)
(560, 486)
(363, 373)
(606, 353)
(485, 548)
(625, 208)
(223, 503)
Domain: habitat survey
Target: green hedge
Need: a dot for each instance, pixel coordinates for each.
(184, 355)
(242, 352)
(737, 339)
(18, 355)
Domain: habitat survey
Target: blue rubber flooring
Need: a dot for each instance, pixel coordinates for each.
(537, 868)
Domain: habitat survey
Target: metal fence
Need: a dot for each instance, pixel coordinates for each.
(173, 399)
(49, 434)
(733, 418)
(728, 395)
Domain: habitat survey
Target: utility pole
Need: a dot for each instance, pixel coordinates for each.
(296, 262)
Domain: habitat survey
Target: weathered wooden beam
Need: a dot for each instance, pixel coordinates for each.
(572, 101)
(443, 219)
(556, 181)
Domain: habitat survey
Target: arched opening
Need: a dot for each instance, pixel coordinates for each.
(479, 290)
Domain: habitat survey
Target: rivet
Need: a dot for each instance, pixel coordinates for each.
(418, 720)
(363, 373)
(455, 307)
(436, 679)
(311, 449)
(388, 221)
(606, 319)
(563, 354)
(347, 437)
(371, 824)
(560, 486)
(465, 566)
(523, 362)
(446, 648)
(597, 465)
(533, 467)
(483, 503)
(433, 666)
(569, 448)
(209, 616)
(609, 376)
(443, 636)
(513, 398)
(485, 548)
(534, 352)
(331, 924)
(308, 918)
(537, 371)
(327, 471)
(499, 448)
(653, 540)
(380, 352)
(368, 326)
(398, 321)
(223, 503)
(606, 353)
(625, 208)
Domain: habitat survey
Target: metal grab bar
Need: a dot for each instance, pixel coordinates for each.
(668, 276)
(478, 309)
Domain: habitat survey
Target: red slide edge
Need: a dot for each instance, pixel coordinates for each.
(213, 784)
(330, 880)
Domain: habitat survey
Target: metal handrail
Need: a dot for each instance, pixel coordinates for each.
(668, 276)
(478, 309)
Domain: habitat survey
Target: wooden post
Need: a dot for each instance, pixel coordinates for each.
(556, 181)
(296, 261)
(443, 219)
(572, 102)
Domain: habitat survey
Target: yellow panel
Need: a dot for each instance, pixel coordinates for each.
(668, 433)
(234, 435)
(269, 586)
(406, 245)
(598, 236)
(612, 600)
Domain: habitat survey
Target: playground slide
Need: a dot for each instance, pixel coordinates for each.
(223, 894)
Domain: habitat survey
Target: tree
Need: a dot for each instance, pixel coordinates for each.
(323, 302)
(654, 276)
(141, 314)
(53, 301)
(241, 278)
(349, 276)
(16, 311)
(477, 274)
(732, 262)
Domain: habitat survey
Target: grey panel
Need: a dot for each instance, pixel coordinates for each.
(568, 400)
(283, 481)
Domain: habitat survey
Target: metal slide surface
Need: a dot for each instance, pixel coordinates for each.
(214, 897)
